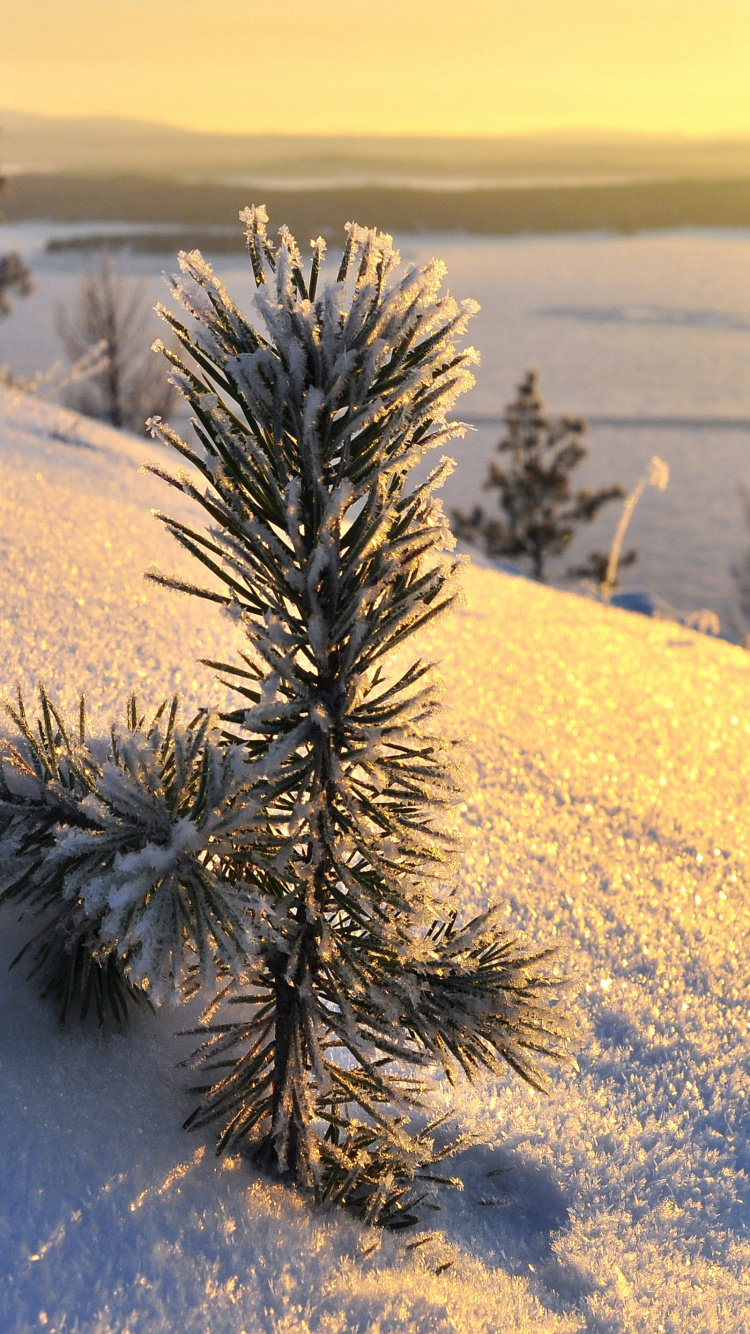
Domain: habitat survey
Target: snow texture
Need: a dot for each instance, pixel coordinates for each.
(608, 762)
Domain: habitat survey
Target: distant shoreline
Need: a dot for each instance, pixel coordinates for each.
(622, 208)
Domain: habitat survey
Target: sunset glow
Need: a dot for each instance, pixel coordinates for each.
(487, 67)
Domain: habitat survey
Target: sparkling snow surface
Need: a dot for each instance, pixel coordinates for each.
(607, 799)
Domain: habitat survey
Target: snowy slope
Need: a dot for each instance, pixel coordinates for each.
(607, 806)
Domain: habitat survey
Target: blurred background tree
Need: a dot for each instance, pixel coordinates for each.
(132, 385)
(14, 275)
(540, 511)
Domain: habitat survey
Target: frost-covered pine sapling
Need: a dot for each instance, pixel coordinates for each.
(539, 510)
(118, 848)
(325, 550)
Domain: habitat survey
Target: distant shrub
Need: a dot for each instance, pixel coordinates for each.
(596, 569)
(539, 510)
(657, 475)
(14, 275)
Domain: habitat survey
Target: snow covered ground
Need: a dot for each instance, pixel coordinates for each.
(608, 791)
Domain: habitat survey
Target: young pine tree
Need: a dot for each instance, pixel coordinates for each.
(540, 511)
(330, 558)
(307, 845)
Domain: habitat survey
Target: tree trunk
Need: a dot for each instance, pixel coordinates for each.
(287, 1029)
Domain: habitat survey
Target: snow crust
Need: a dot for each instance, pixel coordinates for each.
(607, 798)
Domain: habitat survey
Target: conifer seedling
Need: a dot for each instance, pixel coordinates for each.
(332, 558)
(325, 923)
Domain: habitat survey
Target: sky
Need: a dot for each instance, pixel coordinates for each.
(474, 67)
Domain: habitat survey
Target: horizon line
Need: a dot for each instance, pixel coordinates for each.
(580, 131)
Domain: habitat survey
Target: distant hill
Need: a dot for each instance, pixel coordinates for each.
(206, 214)
(30, 143)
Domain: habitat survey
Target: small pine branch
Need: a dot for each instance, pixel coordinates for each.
(125, 849)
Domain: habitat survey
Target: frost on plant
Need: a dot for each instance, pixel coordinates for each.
(327, 553)
(657, 475)
(123, 850)
(294, 858)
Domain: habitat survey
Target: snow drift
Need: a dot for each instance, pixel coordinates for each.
(608, 761)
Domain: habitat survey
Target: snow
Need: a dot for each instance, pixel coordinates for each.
(607, 792)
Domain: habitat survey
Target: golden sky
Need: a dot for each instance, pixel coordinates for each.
(388, 66)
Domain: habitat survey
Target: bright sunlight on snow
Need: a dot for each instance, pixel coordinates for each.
(607, 760)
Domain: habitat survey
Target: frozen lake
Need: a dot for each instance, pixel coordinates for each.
(648, 336)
